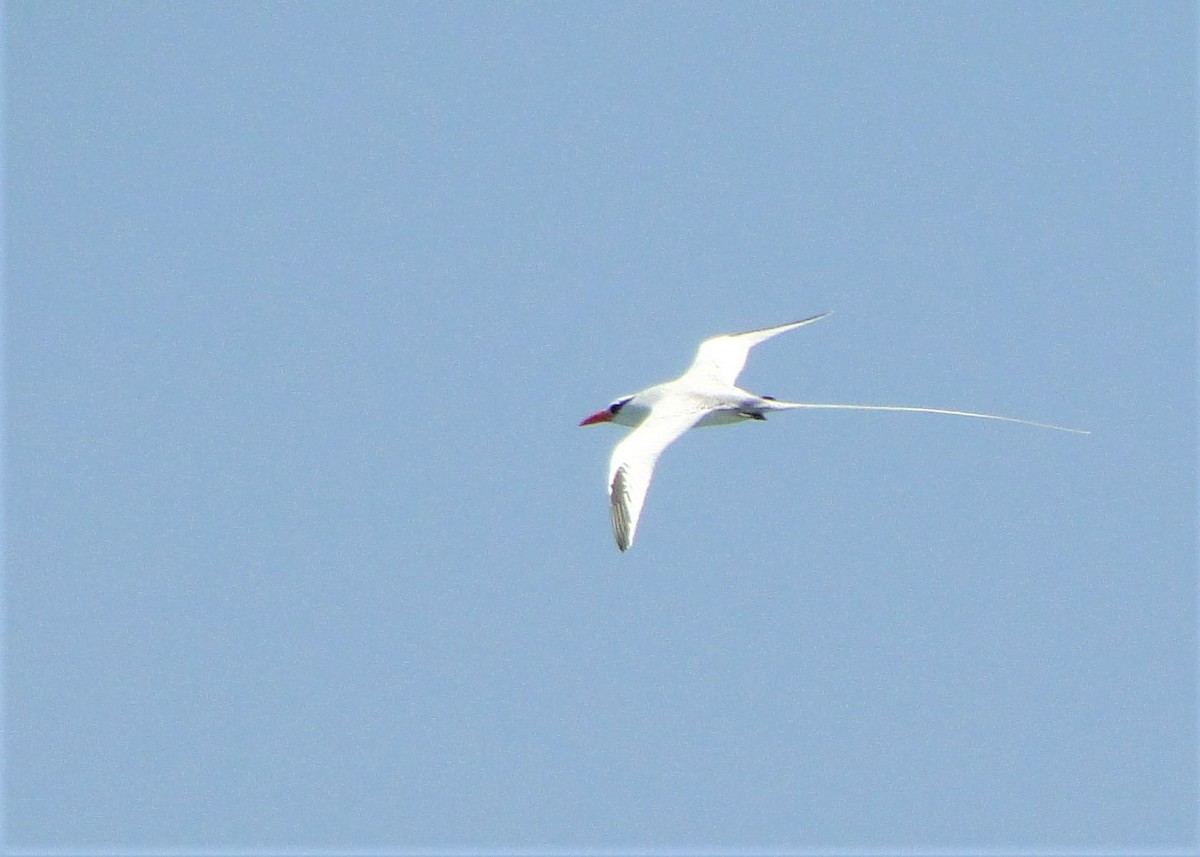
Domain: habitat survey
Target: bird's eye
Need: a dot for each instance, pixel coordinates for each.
(616, 406)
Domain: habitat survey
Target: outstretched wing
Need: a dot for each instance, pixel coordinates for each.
(632, 466)
(722, 357)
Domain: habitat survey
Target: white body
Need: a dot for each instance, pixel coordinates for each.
(704, 395)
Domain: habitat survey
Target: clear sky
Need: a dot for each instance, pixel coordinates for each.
(304, 549)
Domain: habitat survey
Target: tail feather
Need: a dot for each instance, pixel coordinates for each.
(782, 406)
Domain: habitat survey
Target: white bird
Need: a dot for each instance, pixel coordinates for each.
(705, 395)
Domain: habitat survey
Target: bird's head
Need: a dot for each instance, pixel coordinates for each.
(609, 414)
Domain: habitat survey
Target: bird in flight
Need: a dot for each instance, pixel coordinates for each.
(706, 395)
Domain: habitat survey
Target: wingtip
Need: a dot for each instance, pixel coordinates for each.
(813, 318)
(623, 527)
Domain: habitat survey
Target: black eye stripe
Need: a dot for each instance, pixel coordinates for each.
(615, 407)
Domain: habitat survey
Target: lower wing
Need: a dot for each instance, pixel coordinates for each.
(632, 466)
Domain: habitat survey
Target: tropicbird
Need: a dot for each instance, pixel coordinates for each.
(706, 395)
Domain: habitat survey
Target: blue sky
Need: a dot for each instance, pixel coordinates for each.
(305, 551)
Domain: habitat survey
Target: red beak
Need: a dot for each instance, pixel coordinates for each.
(599, 417)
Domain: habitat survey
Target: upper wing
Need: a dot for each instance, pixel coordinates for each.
(632, 466)
(722, 357)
